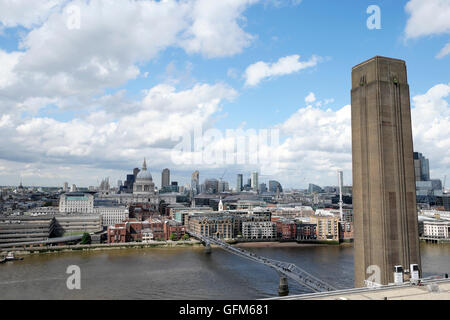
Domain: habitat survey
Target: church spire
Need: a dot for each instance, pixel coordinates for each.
(144, 165)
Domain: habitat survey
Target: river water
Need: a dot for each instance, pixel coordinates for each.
(184, 273)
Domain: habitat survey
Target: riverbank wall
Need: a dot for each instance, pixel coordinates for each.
(98, 247)
(160, 244)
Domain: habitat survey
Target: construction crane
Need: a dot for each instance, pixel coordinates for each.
(221, 178)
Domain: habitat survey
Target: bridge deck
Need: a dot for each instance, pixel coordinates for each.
(286, 269)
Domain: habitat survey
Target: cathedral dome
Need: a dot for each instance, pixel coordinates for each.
(144, 174)
(144, 182)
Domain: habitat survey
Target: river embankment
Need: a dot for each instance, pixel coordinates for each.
(100, 247)
(160, 244)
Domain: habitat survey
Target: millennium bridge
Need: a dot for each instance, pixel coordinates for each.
(284, 269)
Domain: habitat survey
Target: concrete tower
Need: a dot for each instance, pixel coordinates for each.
(384, 202)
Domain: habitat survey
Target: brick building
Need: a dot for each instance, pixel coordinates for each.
(128, 231)
(345, 231)
(174, 228)
(306, 231)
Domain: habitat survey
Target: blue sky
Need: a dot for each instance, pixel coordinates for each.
(79, 104)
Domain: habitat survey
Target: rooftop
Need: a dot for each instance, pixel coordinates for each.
(432, 289)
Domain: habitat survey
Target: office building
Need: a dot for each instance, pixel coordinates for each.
(73, 224)
(421, 167)
(195, 183)
(312, 188)
(76, 203)
(211, 185)
(254, 181)
(436, 230)
(224, 186)
(239, 183)
(165, 178)
(275, 186)
(262, 187)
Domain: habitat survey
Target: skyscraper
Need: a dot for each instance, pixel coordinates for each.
(421, 167)
(254, 181)
(384, 203)
(223, 186)
(275, 186)
(195, 183)
(312, 188)
(165, 178)
(211, 185)
(239, 183)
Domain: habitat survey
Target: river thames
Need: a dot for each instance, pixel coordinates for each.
(184, 273)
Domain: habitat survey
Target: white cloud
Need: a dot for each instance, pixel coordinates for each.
(282, 3)
(427, 18)
(259, 71)
(26, 13)
(315, 143)
(115, 37)
(310, 98)
(215, 31)
(444, 52)
(318, 142)
(8, 61)
(98, 138)
(431, 128)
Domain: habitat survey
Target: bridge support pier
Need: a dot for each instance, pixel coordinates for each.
(207, 248)
(283, 289)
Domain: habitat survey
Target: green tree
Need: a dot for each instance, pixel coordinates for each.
(86, 238)
(172, 237)
(186, 236)
(48, 204)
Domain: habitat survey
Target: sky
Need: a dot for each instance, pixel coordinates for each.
(88, 89)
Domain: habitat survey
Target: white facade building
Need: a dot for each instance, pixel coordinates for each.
(83, 203)
(436, 229)
(112, 214)
(445, 215)
(77, 202)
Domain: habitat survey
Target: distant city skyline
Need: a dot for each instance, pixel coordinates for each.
(80, 113)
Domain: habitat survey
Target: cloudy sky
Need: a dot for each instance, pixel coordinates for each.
(90, 88)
